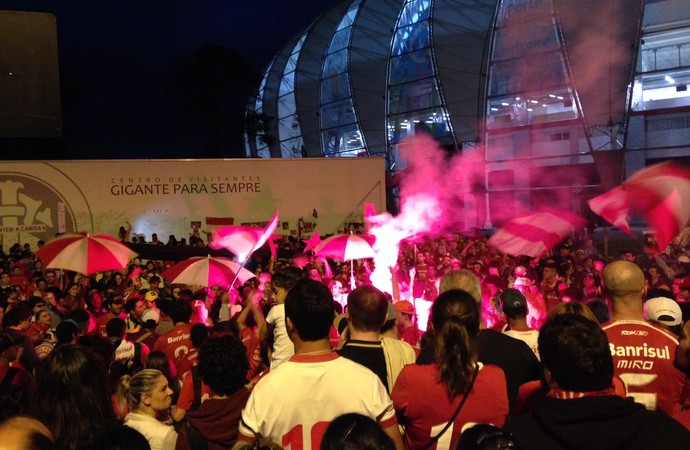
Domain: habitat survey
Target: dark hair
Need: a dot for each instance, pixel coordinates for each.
(16, 315)
(122, 437)
(658, 292)
(65, 331)
(576, 352)
(65, 293)
(72, 397)
(287, 277)
(225, 328)
(355, 432)
(161, 362)
(368, 308)
(198, 334)
(81, 316)
(116, 327)
(600, 310)
(181, 311)
(455, 318)
(223, 364)
(166, 306)
(35, 300)
(495, 280)
(309, 305)
(132, 303)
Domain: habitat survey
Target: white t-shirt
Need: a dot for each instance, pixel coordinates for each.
(293, 405)
(282, 345)
(530, 337)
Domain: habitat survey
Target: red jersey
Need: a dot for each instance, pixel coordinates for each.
(423, 408)
(643, 357)
(549, 292)
(102, 321)
(186, 398)
(253, 345)
(411, 335)
(176, 342)
(185, 364)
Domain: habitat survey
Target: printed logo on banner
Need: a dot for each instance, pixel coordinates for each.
(31, 209)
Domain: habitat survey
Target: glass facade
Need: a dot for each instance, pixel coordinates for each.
(660, 120)
(379, 72)
(528, 81)
(261, 146)
(289, 130)
(414, 96)
(340, 131)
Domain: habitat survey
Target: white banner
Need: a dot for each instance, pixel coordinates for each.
(170, 197)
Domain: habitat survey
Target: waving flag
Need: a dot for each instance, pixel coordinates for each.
(660, 193)
(243, 240)
(535, 233)
(312, 242)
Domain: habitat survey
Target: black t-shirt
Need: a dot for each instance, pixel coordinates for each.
(370, 355)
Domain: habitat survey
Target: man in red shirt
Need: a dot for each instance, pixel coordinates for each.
(176, 343)
(642, 352)
(114, 305)
(407, 323)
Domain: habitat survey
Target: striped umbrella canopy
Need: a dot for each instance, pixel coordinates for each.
(207, 271)
(84, 253)
(347, 247)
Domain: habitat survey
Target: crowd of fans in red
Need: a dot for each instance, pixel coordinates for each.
(541, 351)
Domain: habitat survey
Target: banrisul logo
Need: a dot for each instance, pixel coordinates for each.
(31, 209)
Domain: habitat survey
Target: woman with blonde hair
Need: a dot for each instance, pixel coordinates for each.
(147, 393)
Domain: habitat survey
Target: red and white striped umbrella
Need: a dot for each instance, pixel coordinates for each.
(535, 233)
(86, 254)
(347, 247)
(207, 271)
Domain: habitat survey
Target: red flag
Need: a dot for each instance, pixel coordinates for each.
(274, 248)
(220, 221)
(242, 240)
(536, 233)
(660, 193)
(312, 242)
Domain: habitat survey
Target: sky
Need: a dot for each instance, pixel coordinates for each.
(115, 57)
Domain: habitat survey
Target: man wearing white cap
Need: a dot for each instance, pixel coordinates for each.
(664, 312)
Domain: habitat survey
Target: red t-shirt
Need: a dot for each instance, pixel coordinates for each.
(176, 342)
(186, 398)
(423, 408)
(185, 364)
(101, 323)
(21, 379)
(411, 335)
(643, 355)
(252, 344)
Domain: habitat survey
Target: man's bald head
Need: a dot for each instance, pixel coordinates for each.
(624, 278)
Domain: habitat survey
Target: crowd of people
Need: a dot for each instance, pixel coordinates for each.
(471, 348)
